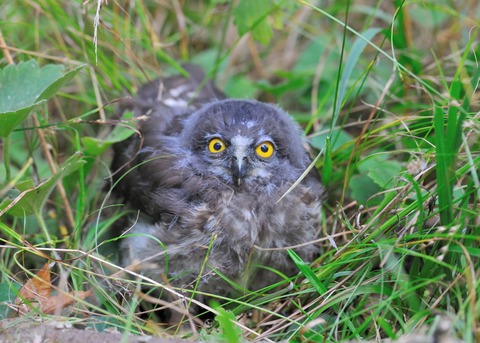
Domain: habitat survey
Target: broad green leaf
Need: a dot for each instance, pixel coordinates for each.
(95, 146)
(262, 32)
(379, 169)
(58, 83)
(31, 200)
(25, 185)
(291, 83)
(309, 56)
(342, 138)
(22, 84)
(240, 87)
(9, 120)
(252, 15)
(383, 173)
(371, 162)
(363, 188)
(25, 86)
(8, 292)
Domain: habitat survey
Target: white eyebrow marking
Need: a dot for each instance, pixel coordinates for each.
(241, 141)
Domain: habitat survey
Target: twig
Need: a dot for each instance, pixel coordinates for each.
(98, 97)
(63, 60)
(255, 56)
(181, 22)
(6, 51)
(51, 164)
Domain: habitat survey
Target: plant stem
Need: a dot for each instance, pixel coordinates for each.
(44, 228)
(53, 168)
(6, 157)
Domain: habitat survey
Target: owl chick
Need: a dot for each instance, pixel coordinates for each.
(210, 177)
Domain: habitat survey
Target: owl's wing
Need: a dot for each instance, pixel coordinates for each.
(161, 107)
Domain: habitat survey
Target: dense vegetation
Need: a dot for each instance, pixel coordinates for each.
(387, 92)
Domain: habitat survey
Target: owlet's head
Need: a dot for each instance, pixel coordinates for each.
(245, 143)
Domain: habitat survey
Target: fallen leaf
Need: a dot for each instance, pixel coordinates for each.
(62, 300)
(38, 291)
(37, 288)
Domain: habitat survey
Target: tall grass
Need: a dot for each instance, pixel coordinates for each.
(388, 95)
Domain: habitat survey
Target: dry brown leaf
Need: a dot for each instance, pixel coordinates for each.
(62, 300)
(38, 290)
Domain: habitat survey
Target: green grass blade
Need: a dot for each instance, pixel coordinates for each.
(443, 156)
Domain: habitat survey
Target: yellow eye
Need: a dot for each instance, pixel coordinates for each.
(216, 145)
(265, 149)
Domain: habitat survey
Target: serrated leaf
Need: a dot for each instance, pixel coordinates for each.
(58, 83)
(25, 86)
(31, 201)
(22, 84)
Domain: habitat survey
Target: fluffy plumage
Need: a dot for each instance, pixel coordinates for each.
(219, 205)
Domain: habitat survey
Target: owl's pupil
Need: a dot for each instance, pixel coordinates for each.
(264, 148)
(217, 146)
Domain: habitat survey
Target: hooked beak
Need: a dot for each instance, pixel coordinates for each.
(239, 168)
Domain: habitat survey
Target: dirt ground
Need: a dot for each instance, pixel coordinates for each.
(39, 331)
(27, 330)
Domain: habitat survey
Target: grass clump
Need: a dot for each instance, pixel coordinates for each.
(387, 93)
